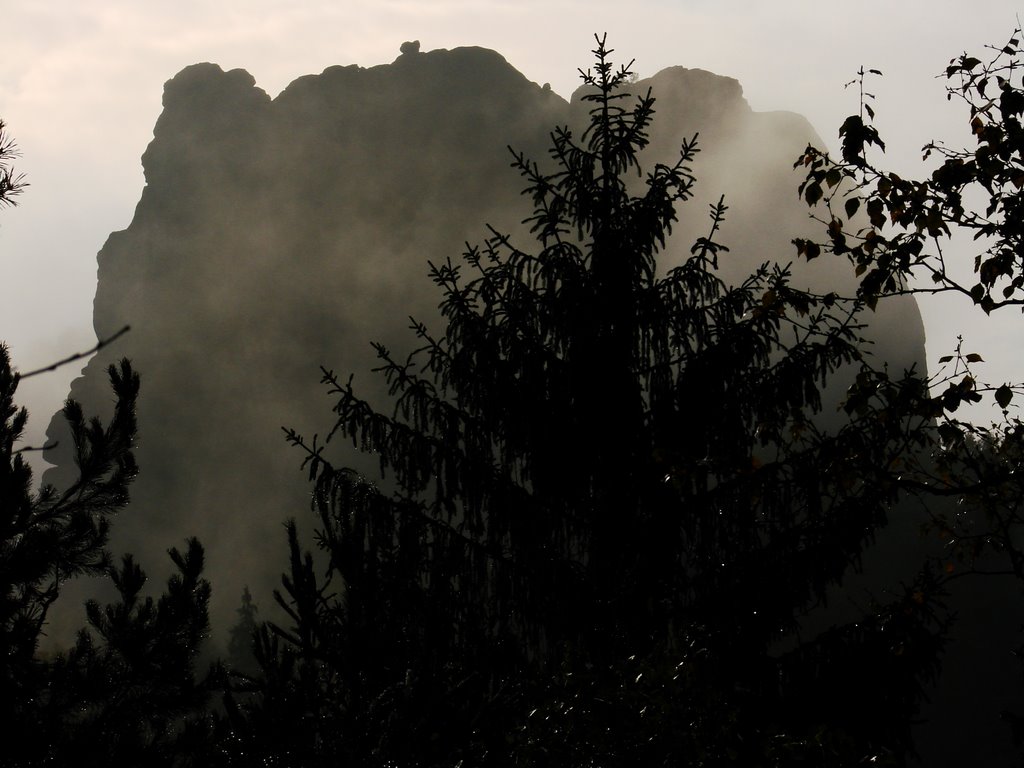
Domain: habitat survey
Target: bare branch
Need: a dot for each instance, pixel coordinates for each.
(78, 355)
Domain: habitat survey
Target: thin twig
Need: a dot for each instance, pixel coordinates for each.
(40, 448)
(78, 355)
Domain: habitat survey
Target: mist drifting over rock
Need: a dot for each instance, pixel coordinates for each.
(275, 236)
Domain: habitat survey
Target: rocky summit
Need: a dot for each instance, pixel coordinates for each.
(276, 236)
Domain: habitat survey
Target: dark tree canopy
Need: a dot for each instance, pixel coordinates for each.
(958, 230)
(897, 232)
(49, 536)
(612, 495)
(127, 692)
(605, 500)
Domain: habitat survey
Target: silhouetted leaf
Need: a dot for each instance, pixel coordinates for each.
(1004, 395)
(813, 193)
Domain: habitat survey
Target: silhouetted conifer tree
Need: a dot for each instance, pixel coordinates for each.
(603, 506)
(128, 691)
(49, 537)
(240, 642)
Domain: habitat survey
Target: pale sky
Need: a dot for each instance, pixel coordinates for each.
(81, 85)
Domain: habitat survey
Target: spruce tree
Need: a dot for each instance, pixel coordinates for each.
(604, 503)
(240, 641)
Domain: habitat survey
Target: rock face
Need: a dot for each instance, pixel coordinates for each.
(274, 236)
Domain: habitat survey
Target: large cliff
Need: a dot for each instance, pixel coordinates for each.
(275, 236)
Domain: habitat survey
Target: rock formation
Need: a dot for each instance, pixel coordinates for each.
(274, 236)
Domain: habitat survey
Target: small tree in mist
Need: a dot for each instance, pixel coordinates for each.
(240, 640)
(603, 505)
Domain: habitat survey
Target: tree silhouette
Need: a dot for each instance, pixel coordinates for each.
(240, 652)
(127, 693)
(900, 247)
(899, 232)
(604, 503)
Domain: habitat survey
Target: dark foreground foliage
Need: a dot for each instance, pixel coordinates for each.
(127, 692)
(898, 233)
(604, 503)
(607, 500)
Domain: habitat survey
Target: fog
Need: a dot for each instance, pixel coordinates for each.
(81, 87)
(276, 235)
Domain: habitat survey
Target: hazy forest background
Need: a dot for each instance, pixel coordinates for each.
(609, 510)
